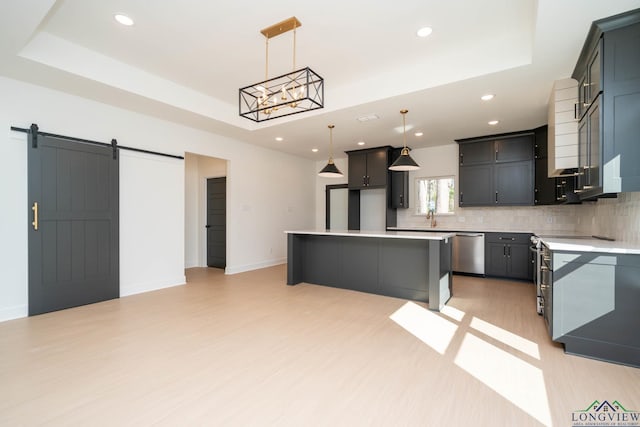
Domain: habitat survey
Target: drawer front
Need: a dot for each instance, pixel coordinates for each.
(508, 238)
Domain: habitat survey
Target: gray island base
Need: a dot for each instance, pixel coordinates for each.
(414, 266)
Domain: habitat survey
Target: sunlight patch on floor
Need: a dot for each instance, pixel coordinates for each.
(452, 312)
(506, 337)
(514, 379)
(425, 325)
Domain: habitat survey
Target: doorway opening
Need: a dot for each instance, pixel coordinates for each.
(199, 238)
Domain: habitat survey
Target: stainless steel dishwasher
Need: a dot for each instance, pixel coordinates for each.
(468, 253)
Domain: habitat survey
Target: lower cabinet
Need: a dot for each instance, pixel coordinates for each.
(508, 255)
(594, 312)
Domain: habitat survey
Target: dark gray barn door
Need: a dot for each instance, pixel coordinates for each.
(73, 253)
(217, 222)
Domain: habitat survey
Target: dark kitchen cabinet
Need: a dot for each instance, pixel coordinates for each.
(476, 185)
(503, 173)
(514, 149)
(589, 84)
(609, 71)
(514, 183)
(593, 309)
(477, 153)
(545, 191)
(589, 138)
(399, 185)
(369, 168)
(508, 255)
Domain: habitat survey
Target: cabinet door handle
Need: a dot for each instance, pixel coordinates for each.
(401, 199)
(509, 251)
(34, 208)
(496, 155)
(507, 238)
(504, 251)
(460, 198)
(461, 158)
(496, 197)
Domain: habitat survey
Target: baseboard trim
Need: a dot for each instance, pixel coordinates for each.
(257, 266)
(138, 288)
(16, 312)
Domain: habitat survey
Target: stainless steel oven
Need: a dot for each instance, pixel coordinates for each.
(536, 248)
(546, 285)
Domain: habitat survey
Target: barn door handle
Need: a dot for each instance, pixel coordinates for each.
(34, 208)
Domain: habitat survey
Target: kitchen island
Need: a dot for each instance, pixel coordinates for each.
(408, 265)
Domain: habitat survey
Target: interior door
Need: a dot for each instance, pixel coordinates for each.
(73, 235)
(217, 222)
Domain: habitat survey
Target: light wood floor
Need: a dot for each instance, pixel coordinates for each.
(248, 350)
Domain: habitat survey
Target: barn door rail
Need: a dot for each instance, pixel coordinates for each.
(34, 131)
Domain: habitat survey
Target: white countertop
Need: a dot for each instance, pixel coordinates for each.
(385, 234)
(590, 245)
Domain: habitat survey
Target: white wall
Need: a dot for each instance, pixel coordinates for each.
(197, 170)
(151, 222)
(261, 203)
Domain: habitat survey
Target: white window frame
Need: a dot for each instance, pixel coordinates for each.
(420, 208)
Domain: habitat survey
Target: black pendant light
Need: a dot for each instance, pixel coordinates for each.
(330, 170)
(404, 162)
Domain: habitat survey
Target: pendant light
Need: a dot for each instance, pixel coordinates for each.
(404, 162)
(330, 170)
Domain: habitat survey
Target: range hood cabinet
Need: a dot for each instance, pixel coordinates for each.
(563, 129)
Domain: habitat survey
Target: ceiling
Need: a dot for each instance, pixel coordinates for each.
(184, 60)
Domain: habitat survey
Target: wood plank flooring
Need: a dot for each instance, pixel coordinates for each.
(247, 350)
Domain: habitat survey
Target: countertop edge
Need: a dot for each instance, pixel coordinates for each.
(415, 235)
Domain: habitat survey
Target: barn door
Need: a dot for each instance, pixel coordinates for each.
(73, 224)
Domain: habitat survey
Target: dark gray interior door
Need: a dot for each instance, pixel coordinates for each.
(73, 239)
(217, 222)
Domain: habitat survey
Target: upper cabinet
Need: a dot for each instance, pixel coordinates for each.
(369, 168)
(513, 148)
(589, 84)
(497, 170)
(478, 153)
(608, 72)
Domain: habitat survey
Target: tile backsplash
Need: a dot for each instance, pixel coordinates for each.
(616, 218)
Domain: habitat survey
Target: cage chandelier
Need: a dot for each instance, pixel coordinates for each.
(296, 92)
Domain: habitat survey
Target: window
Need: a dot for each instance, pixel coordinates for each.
(435, 194)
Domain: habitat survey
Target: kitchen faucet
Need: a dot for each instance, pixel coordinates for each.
(431, 214)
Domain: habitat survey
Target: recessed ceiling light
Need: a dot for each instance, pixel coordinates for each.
(424, 31)
(418, 134)
(493, 122)
(124, 20)
(487, 97)
(360, 142)
(315, 150)
(279, 138)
